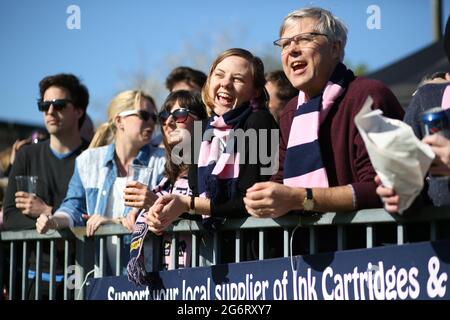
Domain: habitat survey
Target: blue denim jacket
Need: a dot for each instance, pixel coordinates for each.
(94, 175)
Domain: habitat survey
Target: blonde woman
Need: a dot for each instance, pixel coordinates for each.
(96, 190)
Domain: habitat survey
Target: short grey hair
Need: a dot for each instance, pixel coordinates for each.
(327, 24)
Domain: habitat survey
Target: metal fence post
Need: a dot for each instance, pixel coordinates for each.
(261, 236)
(38, 279)
(84, 261)
(24, 270)
(237, 246)
(400, 234)
(369, 236)
(52, 284)
(341, 241)
(12, 270)
(66, 267)
(286, 244)
(206, 249)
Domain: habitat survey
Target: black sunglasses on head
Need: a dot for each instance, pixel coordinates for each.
(58, 104)
(142, 114)
(179, 115)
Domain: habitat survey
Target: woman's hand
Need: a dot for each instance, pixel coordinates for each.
(93, 222)
(137, 195)
(166, 210)
(15, 148)
(129, 221)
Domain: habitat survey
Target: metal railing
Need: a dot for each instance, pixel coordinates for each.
(79, 255)
(89, 253)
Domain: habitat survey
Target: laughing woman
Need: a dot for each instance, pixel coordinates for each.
(235, 99)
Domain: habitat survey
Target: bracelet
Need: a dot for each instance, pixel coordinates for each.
(192, 205)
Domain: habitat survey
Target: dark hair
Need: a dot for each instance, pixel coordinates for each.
(258, 77)
(78, 92)
(285, 90)
(186, 99)
(185, 74)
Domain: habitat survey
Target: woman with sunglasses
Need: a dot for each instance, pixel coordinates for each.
(235, 99)
(177, 117)
(96, 190)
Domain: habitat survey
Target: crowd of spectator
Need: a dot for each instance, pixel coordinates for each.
(308, 109)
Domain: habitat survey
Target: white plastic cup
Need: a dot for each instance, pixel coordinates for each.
(139, 173)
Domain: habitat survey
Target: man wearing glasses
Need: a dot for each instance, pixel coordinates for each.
(324, 165)
(63, 102)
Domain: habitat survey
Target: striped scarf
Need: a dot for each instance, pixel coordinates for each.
(218, 165)
(136, 270)
(136, 265)
(303, 166)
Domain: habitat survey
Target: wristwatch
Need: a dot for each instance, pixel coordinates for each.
(192, 205)
(308, 202)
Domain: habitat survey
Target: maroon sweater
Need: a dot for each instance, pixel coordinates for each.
(343, 151)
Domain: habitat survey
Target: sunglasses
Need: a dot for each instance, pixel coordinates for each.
(58, 104)
(179, 115)
(142, 114)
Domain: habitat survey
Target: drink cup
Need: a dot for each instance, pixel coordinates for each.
(27, 184)
(140, 174)
(436, 120)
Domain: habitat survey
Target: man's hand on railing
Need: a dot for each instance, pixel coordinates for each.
(390, 199)
(31, 205)
(269, 200)
(45, 223)
(137, 195)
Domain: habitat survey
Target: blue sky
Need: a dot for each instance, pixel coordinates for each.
(121, 40)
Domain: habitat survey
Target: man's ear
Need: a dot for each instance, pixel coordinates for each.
(336, 50)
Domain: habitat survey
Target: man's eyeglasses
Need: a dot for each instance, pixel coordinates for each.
(180, 115)
(142, 114)
(302, 39)
(58, 104)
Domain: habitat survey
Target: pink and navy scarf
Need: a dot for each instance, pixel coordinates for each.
(136, 265)
(303, 166)
(218, 171)
(136, 270)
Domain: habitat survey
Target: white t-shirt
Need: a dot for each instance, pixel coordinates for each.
(115, 208)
